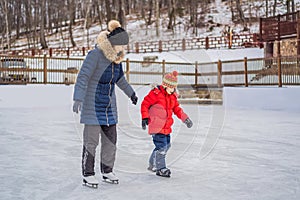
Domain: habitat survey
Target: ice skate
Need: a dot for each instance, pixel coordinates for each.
(110, 178)
(164, 172)
(90, 181)
(152, 168)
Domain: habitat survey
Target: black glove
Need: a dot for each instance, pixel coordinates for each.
(145, 123)
(134, 99)
(188, 122)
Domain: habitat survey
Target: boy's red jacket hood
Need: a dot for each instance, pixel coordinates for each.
(158, 106)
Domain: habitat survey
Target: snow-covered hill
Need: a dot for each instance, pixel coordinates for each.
(215, 20)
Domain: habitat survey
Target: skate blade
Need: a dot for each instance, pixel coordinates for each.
(106, 180)
(165, 175)
(90, 185)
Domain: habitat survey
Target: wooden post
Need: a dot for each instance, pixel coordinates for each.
(219, 74)
(196, 73)
(278, 36)
(137, 47)
(68, 52)
(45, 69)
(83, 51)
(279, 71)
(128, 48)
(159, 46)
(206, 43)
(163, 68)
(127, 69)
(183, 45)
(254, 37)
(246, 71)
(260, 30)
(32, 52)
(298, 33)
(230, 38)
(50, 52)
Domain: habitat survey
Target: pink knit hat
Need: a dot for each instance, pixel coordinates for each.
(170, 80)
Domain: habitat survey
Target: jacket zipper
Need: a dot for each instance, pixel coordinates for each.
(109, 92)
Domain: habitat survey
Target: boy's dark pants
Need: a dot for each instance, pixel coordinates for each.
(158, 156)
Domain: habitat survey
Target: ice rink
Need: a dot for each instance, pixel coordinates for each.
(232, 152)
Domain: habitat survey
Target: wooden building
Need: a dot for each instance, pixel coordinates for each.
(281, 35)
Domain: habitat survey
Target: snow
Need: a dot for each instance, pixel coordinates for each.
(246, 149)
(201, 55)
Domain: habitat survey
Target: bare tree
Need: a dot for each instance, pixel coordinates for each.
(157, 17)
(171, 14)
(87, 21)
(71, 8)
(240, 12)
(4, 5)
(42, 30)
(274, 7)
(150, 8)
(108, 10)
(121, 13)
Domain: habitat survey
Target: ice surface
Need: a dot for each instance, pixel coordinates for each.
(232, 152)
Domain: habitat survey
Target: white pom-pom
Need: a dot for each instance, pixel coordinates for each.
(113, 24)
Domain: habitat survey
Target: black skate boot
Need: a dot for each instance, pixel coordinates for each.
(164, 172)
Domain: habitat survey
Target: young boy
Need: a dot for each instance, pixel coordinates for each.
(157, 109)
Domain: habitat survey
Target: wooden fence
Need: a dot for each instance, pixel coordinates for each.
(230, 41)
(46, 70)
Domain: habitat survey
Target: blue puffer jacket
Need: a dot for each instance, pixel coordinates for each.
(95, 84)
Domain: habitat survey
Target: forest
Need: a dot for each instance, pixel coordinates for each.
(35, 19)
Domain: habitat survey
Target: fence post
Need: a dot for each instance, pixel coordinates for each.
(254, 37)
(127, 69)
(128, 48)
(83, 51)
(32, 52)
(298, 34)
(137, 47)
(68, 52)
(196, 73)
(45, 69)
(160, 46)
(206, 43)
(183, 45)
(219, 73)
(163, 68)
(246, 71)
(279, 71)
(230, 39)
(50, 52)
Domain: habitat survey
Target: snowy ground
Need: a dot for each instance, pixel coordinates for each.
(232, 152)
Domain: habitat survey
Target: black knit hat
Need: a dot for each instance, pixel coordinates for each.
(117, 35)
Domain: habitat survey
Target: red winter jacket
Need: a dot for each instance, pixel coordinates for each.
(159, 106)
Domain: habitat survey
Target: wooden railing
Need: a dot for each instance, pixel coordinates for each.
(246, 72)
(279, 27)
(233, 41)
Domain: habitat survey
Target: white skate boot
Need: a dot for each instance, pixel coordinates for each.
(110, 178)
(90, 181)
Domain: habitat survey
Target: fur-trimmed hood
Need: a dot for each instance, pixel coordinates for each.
(108, 50)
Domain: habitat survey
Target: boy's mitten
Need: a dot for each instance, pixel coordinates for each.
(134, 99)
(188, 122)
(145, 122)
(77, 105)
